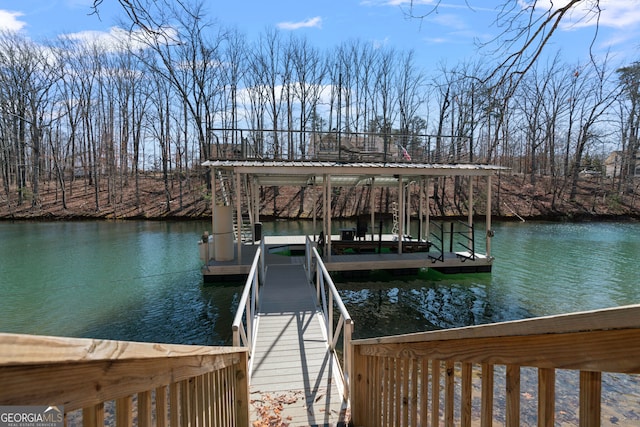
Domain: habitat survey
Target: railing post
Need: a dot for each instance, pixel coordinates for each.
(486, 406)
(248, 313)
(590, 398)
(513, 396)
(546, 397)
(242, 397)
(347, 358)
(330, 321)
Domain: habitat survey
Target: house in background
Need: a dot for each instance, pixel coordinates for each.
(613, 163)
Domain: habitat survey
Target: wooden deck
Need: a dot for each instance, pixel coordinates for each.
(294, 377)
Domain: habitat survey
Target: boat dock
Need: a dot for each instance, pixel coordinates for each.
(449, 246)
(295, 378)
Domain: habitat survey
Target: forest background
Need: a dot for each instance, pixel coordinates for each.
(120, 129)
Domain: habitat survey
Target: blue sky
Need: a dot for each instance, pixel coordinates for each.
(446, 37)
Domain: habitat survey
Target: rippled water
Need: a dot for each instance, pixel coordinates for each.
(540, 269)
(140, 281)
(119, 280)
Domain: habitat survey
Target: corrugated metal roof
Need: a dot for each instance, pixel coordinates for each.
(357, 168)
(298, 173)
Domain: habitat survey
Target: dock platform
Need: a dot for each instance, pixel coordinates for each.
(295, 378)
(453, 262)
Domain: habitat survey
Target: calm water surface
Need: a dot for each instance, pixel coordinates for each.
(141, 281)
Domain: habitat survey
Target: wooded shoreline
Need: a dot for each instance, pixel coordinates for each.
(514, 199)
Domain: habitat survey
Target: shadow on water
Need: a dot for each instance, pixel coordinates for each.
(426, 302)
(201, 315)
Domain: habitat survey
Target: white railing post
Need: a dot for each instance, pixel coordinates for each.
(330, 321)
(346, 354)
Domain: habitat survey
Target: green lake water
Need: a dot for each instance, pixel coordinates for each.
(140, 281)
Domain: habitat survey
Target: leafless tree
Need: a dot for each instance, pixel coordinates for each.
(525, 31)
(629, 77)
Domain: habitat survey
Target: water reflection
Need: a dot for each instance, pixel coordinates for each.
(424, 303)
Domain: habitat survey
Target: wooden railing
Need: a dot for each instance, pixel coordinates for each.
(328, 296)
(450, 376)
(122, 383)
(243, 327)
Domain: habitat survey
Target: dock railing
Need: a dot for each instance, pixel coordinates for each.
(107, 383)
(243, 323)
(419, 379)
(328, 297)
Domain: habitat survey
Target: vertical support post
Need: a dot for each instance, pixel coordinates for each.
(590, 398)
(407, 209)
(213, 200)
(328, 216)
(546, 397)
(256, 200)
(488, 217)
(400, 213)
(330, 330)
(161, 407)
(242, 395)
(93, 416)
(470, 213)
(371, 207)
(435, 392)
(486, 405)
(315, 206)
(513, 396)
(124, 413)
(360, 402)
(427, 225)
(144, 409)
(420, 210)
(347, 357)
(324, 207)
(238, 217)
(465, 416)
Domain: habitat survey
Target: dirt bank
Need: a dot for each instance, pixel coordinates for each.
(513, 197)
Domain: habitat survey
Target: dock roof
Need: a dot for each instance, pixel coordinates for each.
(282, 172)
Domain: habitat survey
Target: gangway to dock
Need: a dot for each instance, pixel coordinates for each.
(295, 376)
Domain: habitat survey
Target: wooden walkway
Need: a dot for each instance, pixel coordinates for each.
(294, 377)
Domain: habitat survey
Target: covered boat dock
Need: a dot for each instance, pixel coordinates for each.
(228, 250)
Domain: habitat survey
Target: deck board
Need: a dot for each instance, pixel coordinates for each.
(291, 363)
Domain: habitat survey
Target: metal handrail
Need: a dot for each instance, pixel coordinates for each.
(248, 305)
(438, 238)
(328, 296)
(470, 235)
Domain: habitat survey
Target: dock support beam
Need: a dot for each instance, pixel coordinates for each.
(371, 207)
(238, 196)
(328, 215)
(470, 213)
(488, 215)
(401, 212)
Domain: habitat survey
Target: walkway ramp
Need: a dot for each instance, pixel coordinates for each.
(294, 378)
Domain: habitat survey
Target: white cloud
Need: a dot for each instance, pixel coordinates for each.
(613, 13)
(9, 21)
(117, 39)
(315, 22)
(449, 20)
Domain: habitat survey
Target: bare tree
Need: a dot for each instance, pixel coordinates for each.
(309, 73)
(266, 62)
(525, 30)
(629, 77)
(598, 98)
